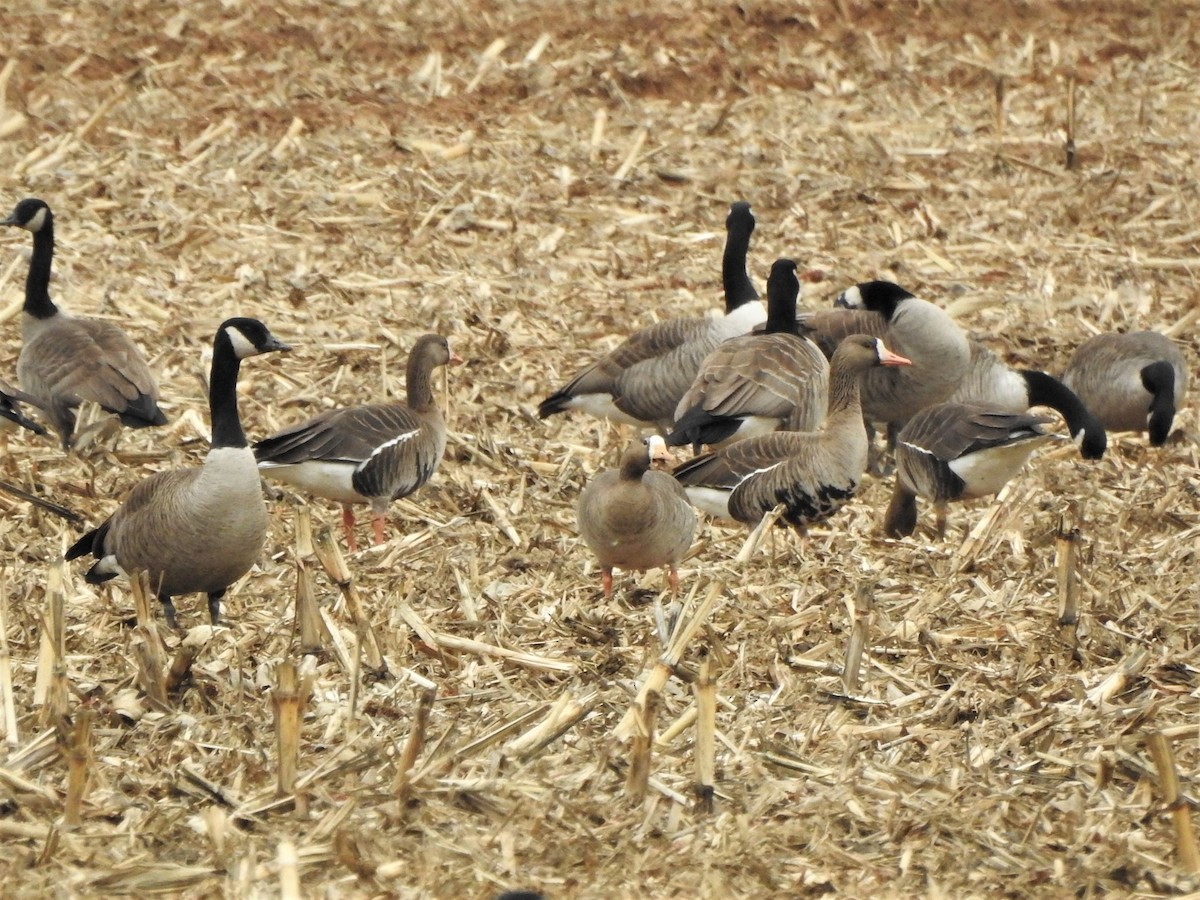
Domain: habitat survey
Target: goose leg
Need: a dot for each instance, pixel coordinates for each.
(214, 606)
(377, 524)
(673, 580)
(606, 582)
(941, 521)
(168, 611)
(348, 525)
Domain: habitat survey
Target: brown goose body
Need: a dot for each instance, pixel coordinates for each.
(641, 381)
(990, 381)
(67, 360)
(1131, 382)
(197, 529)
(757, 383)
(367, 454)
(636, 517)
(912, 327)
(813, 474)
(958, 451)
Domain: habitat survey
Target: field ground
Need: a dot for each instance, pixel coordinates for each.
(535, 180)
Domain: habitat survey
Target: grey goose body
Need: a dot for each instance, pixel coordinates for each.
(813, 474)
(12, 416)
(635, 517)
(367, 454)
(989, 381)
(641, 381)
(196, 529)
(67, 360)
(757, 383)
(957, 451)
(911, 327)
(1130, 382)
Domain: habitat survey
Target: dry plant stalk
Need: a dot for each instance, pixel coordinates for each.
(289, 871)
(331, 558)
(1069, 147)
(286, 700)
(304, 532)
(860, 608)
(638, 776)
(685, 630)
(76, 745)
(1181, 815)
(6, 680)
(412, 747)
(51, 684)
(1066, 567)
(1116, 680)
(706, 736)
(196, 640)
(311, 626)
(151, 661)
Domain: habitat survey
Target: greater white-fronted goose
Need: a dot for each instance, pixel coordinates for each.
(66, 360)
(991, 382)
(1130, 382)
(957, 451)
(197, 529)
(636, 517)
(367, 454)
(757, 383)
(813, 473)
(641, 381)
(914, 328)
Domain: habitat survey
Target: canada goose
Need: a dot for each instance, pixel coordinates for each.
(641, 381)
(957, 451)
(367, 454)
(66, 360)
(990, 382)
(757, 383)
(199, 528)
(813, 473)
(1131, 382)
(912, 327)
(636, 517)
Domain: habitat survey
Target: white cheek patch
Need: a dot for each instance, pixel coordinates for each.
(242, 345)
(852, 297)
(38, 220)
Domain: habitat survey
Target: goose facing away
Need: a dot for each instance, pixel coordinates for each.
(67, 360)
(197, 529)
(813, 474)
(636, 517)
(367, 454)
(757, 383)
(909, 326)
(640, 382)
(990, 382)
(1131, 382)
(957, 451)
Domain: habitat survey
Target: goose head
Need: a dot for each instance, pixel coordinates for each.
(30, 214)
(882, 297)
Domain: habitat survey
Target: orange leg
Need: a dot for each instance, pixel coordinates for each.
(377, 524)
(348, 524)
(606, 582)
(673, 580)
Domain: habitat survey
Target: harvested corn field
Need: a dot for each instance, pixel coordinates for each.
(458, 711)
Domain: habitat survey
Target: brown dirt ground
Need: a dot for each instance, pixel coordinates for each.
(359, 173)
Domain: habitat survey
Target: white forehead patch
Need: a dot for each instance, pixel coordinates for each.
(880, 349)
(852, 297)
(242, 345)
(38, 220)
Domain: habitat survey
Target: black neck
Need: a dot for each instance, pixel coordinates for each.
(782, 290)
(1046, 390)
(1159, 379)
(739, 290)
(222, 395)
(37, 283)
